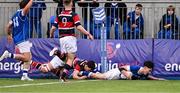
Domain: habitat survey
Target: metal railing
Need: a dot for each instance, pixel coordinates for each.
(116, 24)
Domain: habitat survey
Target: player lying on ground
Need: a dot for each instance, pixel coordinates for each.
(127, 72)
(56, 65)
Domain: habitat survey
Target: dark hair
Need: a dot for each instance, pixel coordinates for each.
(149, 64)
(139, 5)
(67, 2)
(171, 7)
(91, 64)
(23, 3)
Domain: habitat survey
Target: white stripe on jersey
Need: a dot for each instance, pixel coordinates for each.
(21, 14)
(77, 22)
(65, 15)
(66, 28)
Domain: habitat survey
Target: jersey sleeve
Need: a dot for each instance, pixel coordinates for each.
(134, 68)
(55, 23)
(77, 67)
(76, 20)
(21, 15)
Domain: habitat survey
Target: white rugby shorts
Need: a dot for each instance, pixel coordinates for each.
(24, 46)
(112, 74)
(68, 44)
(56, 62)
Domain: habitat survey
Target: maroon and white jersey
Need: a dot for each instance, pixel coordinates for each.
(78, 64)
(66, 22)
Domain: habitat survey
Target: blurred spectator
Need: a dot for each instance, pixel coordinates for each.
(116, 13)
(60, 6)
(50, 24)
(35, 15)
(134, 26)
(94, 28)
(169, 25)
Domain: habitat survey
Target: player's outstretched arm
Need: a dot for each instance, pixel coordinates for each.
(27, 7)
(52, 31)
(155, 78)
(75, 75)
(81, 29)
(9, 31)
(98, 76)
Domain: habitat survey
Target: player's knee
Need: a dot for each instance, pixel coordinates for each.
(25, 59)
(44, 68)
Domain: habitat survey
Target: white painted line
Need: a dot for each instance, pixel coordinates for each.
(49, 83)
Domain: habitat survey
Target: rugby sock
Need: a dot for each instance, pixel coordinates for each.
(66, 70)
(25, 72)
(11, 55)
(56, 72)
(35, 64)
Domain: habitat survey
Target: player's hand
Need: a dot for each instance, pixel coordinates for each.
(90, 37)
(9, 38)
(51, 35)
(161, 79)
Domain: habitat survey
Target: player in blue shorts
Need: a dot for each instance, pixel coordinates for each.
(17, 30)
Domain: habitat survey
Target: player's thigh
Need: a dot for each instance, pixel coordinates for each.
(24, 49)
(56, 62)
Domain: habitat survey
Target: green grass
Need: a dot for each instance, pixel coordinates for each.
(89, 86)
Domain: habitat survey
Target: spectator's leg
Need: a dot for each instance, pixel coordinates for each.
(37, 23)
(169, 34)
(86, 27)
(137, 33)
(126, 31)
(117, 34)
(31, 27)
(108, 27)
(160, 34)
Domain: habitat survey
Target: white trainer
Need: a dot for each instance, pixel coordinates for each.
(4, 55)
(23, 78)
(51, 53)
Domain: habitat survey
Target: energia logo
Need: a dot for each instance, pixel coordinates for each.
(172, 67)
(10, 66)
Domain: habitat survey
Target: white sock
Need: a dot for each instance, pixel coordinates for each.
(25, 72)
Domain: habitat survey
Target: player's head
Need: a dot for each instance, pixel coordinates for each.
(89, 66)
(67, 3)
(23, 3)
(148, 67)
(138, 9)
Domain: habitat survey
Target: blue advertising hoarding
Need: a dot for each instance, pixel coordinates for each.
(164, 54)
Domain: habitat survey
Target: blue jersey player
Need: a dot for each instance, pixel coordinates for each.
(17, 30)
(127, 72)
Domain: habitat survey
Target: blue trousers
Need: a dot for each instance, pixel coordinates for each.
(109, 24)
(165, 34)
(37, 24)
(129, 34)
(95, 29)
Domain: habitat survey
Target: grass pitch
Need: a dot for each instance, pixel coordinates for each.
(89, 86)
